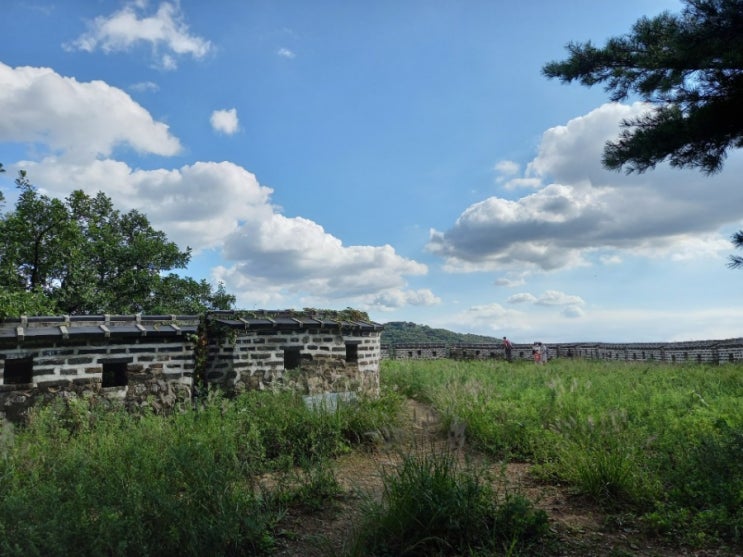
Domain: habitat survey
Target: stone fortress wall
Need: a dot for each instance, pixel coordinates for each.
(135, 360)
(308, 354)
(159, 361)
(708, 351)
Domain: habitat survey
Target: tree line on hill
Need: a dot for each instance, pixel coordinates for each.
(401, 332)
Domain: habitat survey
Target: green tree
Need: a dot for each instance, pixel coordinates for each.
(175, 294)
(689, 66)
(20, 302)
(118, 266)
(82, 255)
(35, 240)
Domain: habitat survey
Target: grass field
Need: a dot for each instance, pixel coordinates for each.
(662, 442)
(659, 445)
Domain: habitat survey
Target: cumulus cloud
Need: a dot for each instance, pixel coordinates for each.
(488, 317)
(610, 259)
(548, 298)
(395, 298)
(511, 281)
(506, 168)
(225, 121)
(80, 120)
(165, 32)
(286, 53)
(579, 207)
(522, 298)
(299, 254)
(557, 298)
(197, 205)
(145, 87)
(570, 306)
(269, 256)
(573, 312)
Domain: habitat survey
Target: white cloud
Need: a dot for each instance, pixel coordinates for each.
(506, 168)
(571, 306)
(523, 183)
(165, 31)
(274, 257)
(610, 259)
(574, 324)
(201, 205)
(580, 207)
(557, 298)
(197, 205)
(646, 324)
(396, 298)
(522, 298)
(300, 255)
(286, 53)
(75, 119)
(487, 317)
(511, 281)
(145, 87)
(225, 121)
(573, 312)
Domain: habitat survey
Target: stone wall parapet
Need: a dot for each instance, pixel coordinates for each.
(706, 351)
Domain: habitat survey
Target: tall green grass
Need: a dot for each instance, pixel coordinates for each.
(662, 441)
(81, 479)
(433, 505)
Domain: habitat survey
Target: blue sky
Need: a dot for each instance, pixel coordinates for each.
(406, 158)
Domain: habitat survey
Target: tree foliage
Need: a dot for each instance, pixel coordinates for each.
(401, 332)
(81, 255)
(736, 261)
(689, 66)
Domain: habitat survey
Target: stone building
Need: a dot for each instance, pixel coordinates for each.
(156, 361)
(138, 360)
(308, 353)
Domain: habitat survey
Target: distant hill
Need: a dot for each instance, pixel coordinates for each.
(401, 332)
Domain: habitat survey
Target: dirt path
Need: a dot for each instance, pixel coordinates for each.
(581, 528)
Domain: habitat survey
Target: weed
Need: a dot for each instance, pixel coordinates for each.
(85, 480)
(432, 505)
(637, 438)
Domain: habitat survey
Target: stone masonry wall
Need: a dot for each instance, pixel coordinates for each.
(710, 351)
(417, 351)
(158, 372)
(310, 361)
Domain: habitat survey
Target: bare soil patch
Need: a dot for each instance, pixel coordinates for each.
(580, 528)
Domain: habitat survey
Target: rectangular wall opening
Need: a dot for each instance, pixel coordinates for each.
(114, 374)
(292, 357)
(352, 352)
(18, 371)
